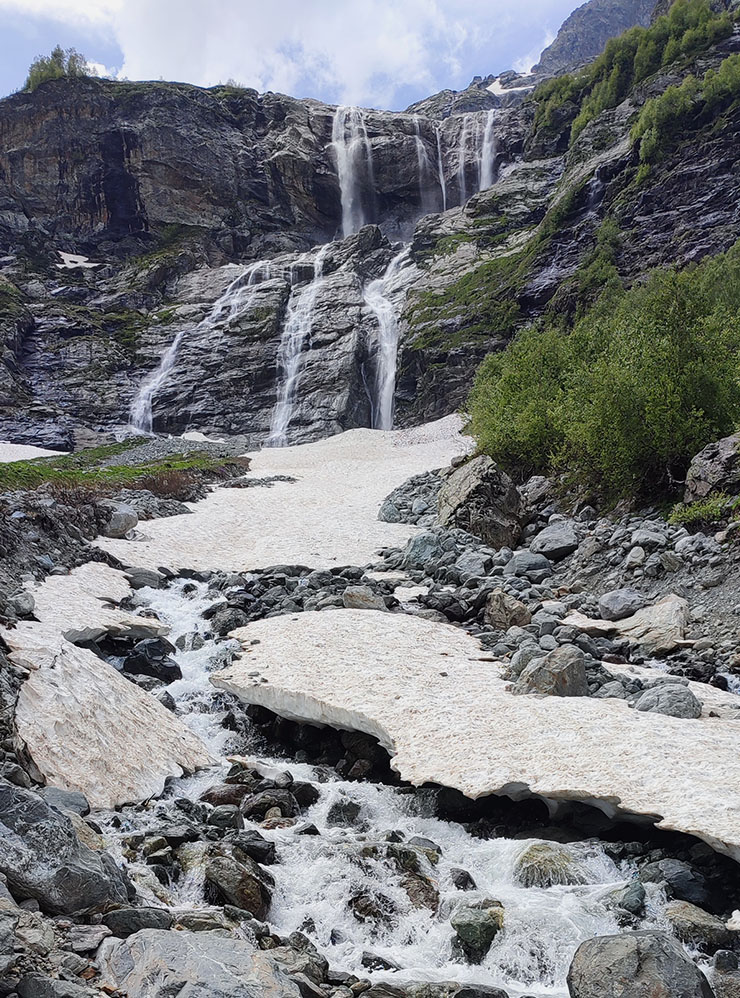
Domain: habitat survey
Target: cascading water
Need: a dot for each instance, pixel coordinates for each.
(441, 171)
(385, 357)
(354, 158)
(296, 334)
(462, 156)
(237, 299)
(320, 878)
(487, 158)
(427, 200)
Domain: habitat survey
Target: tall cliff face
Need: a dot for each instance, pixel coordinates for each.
(220, 288)
(584, 34)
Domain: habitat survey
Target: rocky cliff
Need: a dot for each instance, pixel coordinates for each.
(206, 300)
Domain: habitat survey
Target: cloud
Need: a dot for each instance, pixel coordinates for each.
(353, 51)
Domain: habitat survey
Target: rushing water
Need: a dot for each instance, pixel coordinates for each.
(354, 158)
(476, 154)
(386, 346)
(441, 171)
(237, 299)
(295, 338)
(318, 878)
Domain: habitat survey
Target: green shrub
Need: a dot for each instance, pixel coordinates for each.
(58, 65)
(690, 27)
(705, 512)
(621, 402)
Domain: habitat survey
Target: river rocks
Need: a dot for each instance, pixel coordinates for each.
(556, 541)
(42, 857)
(547, 864)
(480, 498)
(123, 922)
(231, 882)
(415, 501)
(476, 925)
(658, 629)
(672, 699)
(716, 468)
(121, 518)
(362, 598)
(697, 927)
(527, 564)
(561, 673)
(502, 611)
(635, 965)
(680, 879)
(160, 964)
(620, 603)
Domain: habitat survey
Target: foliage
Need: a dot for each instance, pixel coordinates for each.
(690, 27)
(59, 65)
(679, 110)
(643, 380)
(93, 470)
(710, 510)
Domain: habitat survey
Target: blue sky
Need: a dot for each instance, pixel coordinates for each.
(381, 53)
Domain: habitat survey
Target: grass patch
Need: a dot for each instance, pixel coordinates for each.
(707, 511)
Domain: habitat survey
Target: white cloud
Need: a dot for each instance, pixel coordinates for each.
(356, 51)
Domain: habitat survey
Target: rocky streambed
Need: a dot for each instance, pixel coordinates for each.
(430, 772)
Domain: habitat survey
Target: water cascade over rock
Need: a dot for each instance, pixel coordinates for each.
(354, 160)
(386, 346)
(476, 154)
(295, 338)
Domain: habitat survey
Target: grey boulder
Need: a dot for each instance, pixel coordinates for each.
(161, 964)
(620, 603)
(362, 598)
(561, 673)
(716, 468)
(120, 516)
(672, 699)
(556, 541)
(481, 498)
(527, 564)
(42, 857)
(635, 965)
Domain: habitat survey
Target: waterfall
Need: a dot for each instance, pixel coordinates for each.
(237, 298)
(462, 151)
(424, 170)
(487, 159)
(441, 170)
(384, 386)
(296, 333)
(354, 158)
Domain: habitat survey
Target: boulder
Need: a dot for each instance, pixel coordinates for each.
(362, 598)
(120, 516)
(697, 927)
(124, 922)
(620, 603)
(547, 864)
(481, 498)
(42, 858)
(716, 468)
(681, 880)
(561, 673)
(556, 541)
(42, 986)
(421, 550)
(160, 964)
(476, 926)
(231, 882)
(534, 567)
(672, 699)
(635, 965)
(658, 629)
(66, 800)
(502, 611)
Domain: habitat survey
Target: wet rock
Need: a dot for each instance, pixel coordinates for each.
(561, 673)
(632, 898)
(672, 699)
(462, 880)
(503, 611)
(421, 891)
(697, 927)
(343, 812)
(65, 800)
(259, 804)
(476, 926)
(620, 603)
(227, 620)
(254, 845)
(547, 864)
(230, 882)
(635, 965)
(682, 880)
(481, 498)
(556, 541)
(226, 816)
(123, 922)
(161, 964)
(42, 857)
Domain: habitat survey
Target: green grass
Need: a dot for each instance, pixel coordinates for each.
(84, 470)
(714, 508)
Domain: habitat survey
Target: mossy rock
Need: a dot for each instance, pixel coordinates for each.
(547, 864)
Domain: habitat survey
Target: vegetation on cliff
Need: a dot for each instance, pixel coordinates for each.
(59, 65)
(690, 27)
(624, 398)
